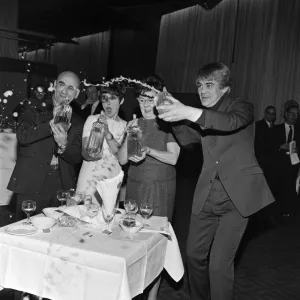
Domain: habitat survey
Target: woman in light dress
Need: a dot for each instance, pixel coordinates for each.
(106, 165)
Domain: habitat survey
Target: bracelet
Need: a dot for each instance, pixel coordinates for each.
(62, 148)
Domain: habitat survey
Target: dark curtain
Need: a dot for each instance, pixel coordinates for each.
(258, 39)
(8, 20)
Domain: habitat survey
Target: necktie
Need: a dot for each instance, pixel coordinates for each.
(290, 135)
(271, 125)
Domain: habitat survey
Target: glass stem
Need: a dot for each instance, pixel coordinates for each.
(28, 219)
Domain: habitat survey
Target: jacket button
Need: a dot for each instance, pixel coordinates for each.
(217, 162)
(211, 181)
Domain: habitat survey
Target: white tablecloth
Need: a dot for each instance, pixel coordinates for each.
(64, 265)
(8, 146)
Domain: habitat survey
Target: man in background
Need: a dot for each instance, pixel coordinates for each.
(49, 155)
(286, 161)
(37, 99)
(261, 142)
(92, 104)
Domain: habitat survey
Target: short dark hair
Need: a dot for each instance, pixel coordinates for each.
(218, 71)
(153, 80)
(289, 103)
(288, 108)
(269, 107)
(116, 88)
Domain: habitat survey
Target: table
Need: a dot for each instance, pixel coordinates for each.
(61, 265)
(8, 147)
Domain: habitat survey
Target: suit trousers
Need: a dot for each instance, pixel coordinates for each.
(213, 239)
(44, 197)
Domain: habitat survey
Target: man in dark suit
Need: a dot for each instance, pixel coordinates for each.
(286, 168)
(92, 104)
(262, 134)
(49, 155)
(231, 185)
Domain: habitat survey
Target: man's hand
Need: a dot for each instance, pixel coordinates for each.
(59, 133)
(284, 147)
(178, 111)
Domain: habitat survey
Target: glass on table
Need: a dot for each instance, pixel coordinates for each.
(88, 200)
(28, 206)
(71, 199)
(128, 222)
(79, 197)
(108, 216)
(62, 196)
(92, 210)
(146, 210)
(131, 206)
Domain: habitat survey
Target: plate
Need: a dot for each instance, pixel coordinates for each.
(21, 229)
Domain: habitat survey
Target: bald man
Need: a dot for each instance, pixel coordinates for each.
(49, 156)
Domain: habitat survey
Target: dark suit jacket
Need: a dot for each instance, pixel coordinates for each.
(228, 150)
(282, 161)
(36, 148)
(261, 143)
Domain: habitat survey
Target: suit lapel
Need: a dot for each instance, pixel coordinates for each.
(209, 137)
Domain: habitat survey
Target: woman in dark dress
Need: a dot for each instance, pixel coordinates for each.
(152, 175)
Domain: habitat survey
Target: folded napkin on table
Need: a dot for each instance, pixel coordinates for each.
(109, 190)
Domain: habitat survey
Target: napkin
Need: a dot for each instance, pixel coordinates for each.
(294, 156)
(79, 212)
(108, 190)
(157, 224)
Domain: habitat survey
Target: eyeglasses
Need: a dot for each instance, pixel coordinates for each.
(106, 99)
(293, 114)
(146, 100)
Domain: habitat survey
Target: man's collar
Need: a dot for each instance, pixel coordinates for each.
(287, 125)
(268, 123)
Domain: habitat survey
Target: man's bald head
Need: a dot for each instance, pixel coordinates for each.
(70, 74)
(66, 87)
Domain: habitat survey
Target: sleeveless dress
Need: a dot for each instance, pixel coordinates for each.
(151, 178)
(107, 167)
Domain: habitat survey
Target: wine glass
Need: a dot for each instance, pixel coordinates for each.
(71, 197)
(28, 206)
(108, 216)
(128, 223)
(92, 210)
(79, 196)
(130, 206)
(88, 199)
(146, 209)
(61, 196)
